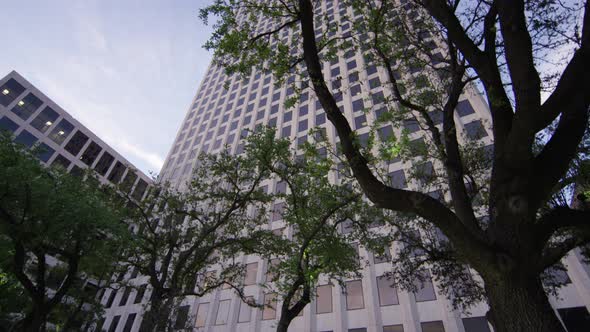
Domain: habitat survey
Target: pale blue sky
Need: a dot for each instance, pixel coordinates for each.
(126, 69)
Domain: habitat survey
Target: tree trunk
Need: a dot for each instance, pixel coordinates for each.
(156, 319)
(35, 320)
(284, 322)
(519, 303)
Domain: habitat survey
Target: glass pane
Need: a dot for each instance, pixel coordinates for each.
(202, 314)
(269, 311)
(45, 119)
(436, 326)
(61, 131)
(222, 312)
(324, 299)
(245, 310)
(387, 293)
(251, 270)
(354, 295)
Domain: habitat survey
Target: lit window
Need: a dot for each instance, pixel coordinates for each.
(61, 132)
(5, 92)
(21, 103)
(48, 123)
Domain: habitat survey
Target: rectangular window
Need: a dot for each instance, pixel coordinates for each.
(286, 132)
(129, 322)
(222, 312)
(61, 161)
(271, 269)
(8, 125)
(114, 323)
(397, 179)
(45, 119)
(117, 173)
(475, 130)
(323, 299)
(125, 296)
(387, 293)
(436, 326)
(91, 153)
(45, 152)
(393, 328)
(251, 272)
(424, 288)
(76, 143)
(245, 310)
(354, 295)
(9, 91)
(111, 299)
(476, 324)
(181, 317)
(202, 314)
(270, 304)
(129, 180)
(464, 108)
(25, 138)
(27, 106)
(104, 163)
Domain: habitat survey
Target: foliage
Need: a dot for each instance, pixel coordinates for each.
(55, 228)
(500, 217)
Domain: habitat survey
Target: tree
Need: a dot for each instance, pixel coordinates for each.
(56, 228)
(316, 212)
(501, 46)
(189, 242)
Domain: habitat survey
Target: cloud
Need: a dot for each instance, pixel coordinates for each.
(151, 158)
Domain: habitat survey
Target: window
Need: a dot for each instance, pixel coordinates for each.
(25, 138)
(436, 326)
(8, 125)
(90, 154)
(125, 296)
(117, 173)
(476, 324)
(271, 269)
(302, 125)
(9, 91)
(320, 119)
(286, 132)
(411, 125)
(397, 179)
(202, 314)
(464, 108)
(104, 163)
(140, 189)
(287, 116)
(181, 317)
(111, 299)
(475, 130)
(360, 121)
(45, 119)
(424, 289)
(114, 323)
(61, 161)
(245, 310)
(270, 304)
(323, 299)
(374, 83)
(222, 312)
(387, 293)
(129, 322)
(45, 152)
(393, 328)
(354, 295)
(251, 272)
(575, 319)
(76, 143)
(361, 329)
(128, 181)
(27, 106)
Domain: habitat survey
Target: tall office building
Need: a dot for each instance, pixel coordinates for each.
(219, 117)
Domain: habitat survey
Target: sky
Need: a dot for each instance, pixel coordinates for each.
(126, 69)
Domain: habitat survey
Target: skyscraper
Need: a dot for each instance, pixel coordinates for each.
(220, 116)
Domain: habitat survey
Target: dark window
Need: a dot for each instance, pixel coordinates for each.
(140, 293)
(385, 133)
(287, 116)
(436, 116)
(129, 181)
(475, 130)
(476, 324)
(8, 125)
(45, 152)
(464, 108)
(45, 119)
(393, 328)
(575, 319)
(378, 98)
(114, 323)
(360, 329)
(398, 179)
(27, 106)
(286, 131)
(9, 91)
(436, 326)
(111, 299)
(61, 131)
(181, 317)
(117, 172)
(25, 138)
(139, 189)
(125, 296)
(61, 161)
(302, 125)
(129, 323)
(77, 171)
(411, 125)
(76, 143)
(91, 153)
(374, 83)
(360, 121)
(320, 119)
(104, 163)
